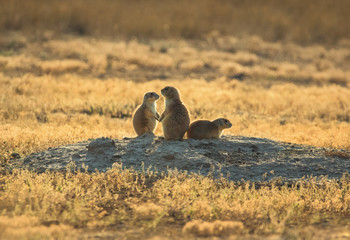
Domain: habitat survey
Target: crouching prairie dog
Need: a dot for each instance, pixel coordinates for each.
(175, 119)
(204, 129)
(145, 117)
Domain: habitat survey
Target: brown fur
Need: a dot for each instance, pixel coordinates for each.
(175, 118)
(204, 129)
(145, 117)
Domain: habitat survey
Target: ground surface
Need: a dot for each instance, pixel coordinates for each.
(236, 157)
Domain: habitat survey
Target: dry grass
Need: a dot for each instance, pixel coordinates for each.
(305, 22)
(62, 91)
(208, 207)
(28, 227)
(216, 228)
(42, 112)
(69, 89)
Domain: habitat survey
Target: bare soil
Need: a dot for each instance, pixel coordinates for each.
(235, 157)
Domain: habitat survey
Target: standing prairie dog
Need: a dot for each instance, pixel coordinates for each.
(175, 118)
(204, 129)
(146, 116)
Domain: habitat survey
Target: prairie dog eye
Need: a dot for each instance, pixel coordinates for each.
(166, 88)
(226, 121)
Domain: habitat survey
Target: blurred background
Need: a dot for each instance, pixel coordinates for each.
(276, 69)
(299, 21)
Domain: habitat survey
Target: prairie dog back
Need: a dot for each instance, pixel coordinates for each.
(175, 119)
(204, 129)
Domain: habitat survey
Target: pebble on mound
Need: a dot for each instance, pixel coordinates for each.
(204, 129)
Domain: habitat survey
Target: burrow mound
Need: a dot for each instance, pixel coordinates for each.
(234, 157)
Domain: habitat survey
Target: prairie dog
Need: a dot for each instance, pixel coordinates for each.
(175, 119)
(145, 117)
(204, 129)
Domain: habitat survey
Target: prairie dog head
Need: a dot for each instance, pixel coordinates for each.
(170, 93)
(150, 97)
(222, 123)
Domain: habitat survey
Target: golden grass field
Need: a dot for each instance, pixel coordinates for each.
(60, 91)
(59, 88)
(314, 21)
(57, 91)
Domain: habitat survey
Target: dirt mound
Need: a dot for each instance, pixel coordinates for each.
(236, 157)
